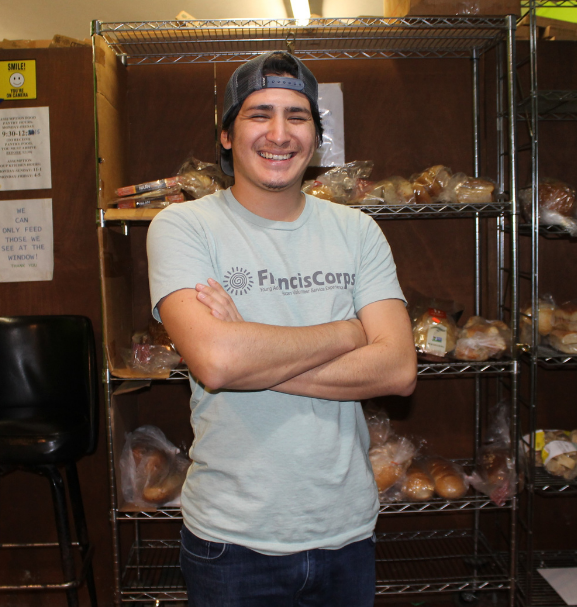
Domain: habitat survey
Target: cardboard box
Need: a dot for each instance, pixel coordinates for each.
(547, 29)
(414, 8)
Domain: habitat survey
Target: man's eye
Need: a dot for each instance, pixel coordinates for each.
(298, 118)
(259, 117)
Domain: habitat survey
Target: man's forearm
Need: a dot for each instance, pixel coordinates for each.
(375, 370)
(250, 356)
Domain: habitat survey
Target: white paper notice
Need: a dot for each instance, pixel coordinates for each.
(26, 240)
(332, 151)
(25, 149)
(564, 581)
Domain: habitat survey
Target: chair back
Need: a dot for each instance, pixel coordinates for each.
(48, 365)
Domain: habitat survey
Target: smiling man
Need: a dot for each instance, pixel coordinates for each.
(288, 311)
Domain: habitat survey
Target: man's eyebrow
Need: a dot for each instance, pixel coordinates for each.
(270, 108)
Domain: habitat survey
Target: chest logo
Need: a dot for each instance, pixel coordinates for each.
(238, 281)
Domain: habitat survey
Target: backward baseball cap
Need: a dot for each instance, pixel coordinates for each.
(249, 78)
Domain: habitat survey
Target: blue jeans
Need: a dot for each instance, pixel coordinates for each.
(228, 575)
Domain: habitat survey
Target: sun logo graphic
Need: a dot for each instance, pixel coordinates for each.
(238, 281)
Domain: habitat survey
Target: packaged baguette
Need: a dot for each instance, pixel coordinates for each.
(149, 202)
(462, 188)
(149, 186)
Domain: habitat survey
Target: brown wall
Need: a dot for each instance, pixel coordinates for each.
(64, 84)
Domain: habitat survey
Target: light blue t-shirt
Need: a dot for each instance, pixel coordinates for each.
(274, 472)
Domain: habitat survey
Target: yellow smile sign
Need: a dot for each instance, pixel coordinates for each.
(18, 79)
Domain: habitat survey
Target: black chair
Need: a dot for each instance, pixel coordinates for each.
(48, 420)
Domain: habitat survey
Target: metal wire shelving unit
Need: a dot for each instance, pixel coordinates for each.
(540, 106)
(407, 563)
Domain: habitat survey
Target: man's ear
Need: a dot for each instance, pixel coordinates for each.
(225, 141)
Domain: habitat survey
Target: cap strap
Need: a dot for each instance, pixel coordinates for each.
(280, 82)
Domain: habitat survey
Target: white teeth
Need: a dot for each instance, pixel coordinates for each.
(269, 156)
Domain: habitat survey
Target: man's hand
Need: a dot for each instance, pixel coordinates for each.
(218, 300)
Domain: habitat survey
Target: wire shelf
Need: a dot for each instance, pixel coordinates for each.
(542, 593)
(437, 561)
(437, 504)
(553, 485)
(547, 231)
(438, 209)
(225, 40)
(169, 514)
(466, 368)
(551, 105)
(152, 572)
(549, 358)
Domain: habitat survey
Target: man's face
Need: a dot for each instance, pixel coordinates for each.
(274, 139)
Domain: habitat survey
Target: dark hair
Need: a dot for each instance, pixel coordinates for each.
(276, 65)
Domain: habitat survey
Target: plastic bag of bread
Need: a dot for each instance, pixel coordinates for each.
(390, 461)
(152, 350)
(318, 189)
(560, 459)
(547, 309)
(557, 204)
(429, 184)
(347, 183)
(393, 191)
(378, 424)
(152, 469)
(449, 478)
(494, 473)
(199, 178)
(462, 188)
(435, 332)
(482, 339)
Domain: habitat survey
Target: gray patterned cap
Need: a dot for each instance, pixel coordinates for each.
(249, 78)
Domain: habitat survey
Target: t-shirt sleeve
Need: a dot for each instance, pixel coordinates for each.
(376, 278)
(178, 253)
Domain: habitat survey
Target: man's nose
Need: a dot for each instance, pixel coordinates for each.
(278, 131)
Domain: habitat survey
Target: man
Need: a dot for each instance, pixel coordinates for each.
(287, 311)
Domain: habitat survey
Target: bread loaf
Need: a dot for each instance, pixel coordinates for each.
(390, 461)
(474, 190)
(564, 341)
(417, 485)
(448, 477)
(166, 490)
(435, 333)
(558, 197)
(429, 184)
(566, 316)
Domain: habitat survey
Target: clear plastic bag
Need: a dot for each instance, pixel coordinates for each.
(152, 469)
(556, 450)
(378, 424)
(462, 188)
(429, 184)
(199, 178)
(152, 351)
(482, 339)
(392, 191)
(557, 204)
(344, 184)
(547, 309)
(434, 324)
(495, 474)
(390, 461)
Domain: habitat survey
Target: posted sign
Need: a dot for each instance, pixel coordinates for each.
(18, 79)
(26, 240)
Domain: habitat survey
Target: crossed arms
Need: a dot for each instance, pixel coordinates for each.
(340, 360)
